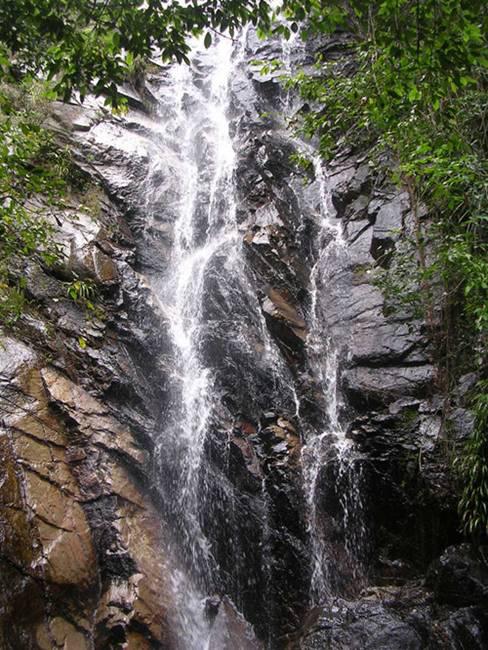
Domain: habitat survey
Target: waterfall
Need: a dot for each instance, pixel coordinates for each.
(234, 484)
(210, 306)
(204, 232)
(330, 445)
(327, 446)
(215, 323)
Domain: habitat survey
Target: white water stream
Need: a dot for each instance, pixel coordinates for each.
(204, 289)
(324, 352)
(206, 244)
(330, 445)
(202, 286)
(204, 231)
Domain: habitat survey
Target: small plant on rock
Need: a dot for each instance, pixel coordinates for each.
(473, 467)
(82, 292)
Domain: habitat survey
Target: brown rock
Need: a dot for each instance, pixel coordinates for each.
(46, 471)
(136, 641)
(277, 306)
(105, 268)
(63, 634)
(141, 533)
(68, 555)
(45, 460)
(286, 424)
(249, 455)
(230, 631)
(91, 416)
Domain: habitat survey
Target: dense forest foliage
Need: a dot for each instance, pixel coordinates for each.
(416, 88)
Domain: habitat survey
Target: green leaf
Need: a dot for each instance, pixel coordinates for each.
(414, 94)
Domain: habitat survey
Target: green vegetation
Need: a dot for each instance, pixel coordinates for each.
(92, 46)
(31, 165)
(76, 46)
(301, 161)
(473, 467)
(37, 176)
(82, 291)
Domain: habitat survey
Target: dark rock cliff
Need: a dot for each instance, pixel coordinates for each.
(86, 519)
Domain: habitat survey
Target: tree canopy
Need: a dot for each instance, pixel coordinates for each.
(89, 45)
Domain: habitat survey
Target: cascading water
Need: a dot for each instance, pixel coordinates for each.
(230, 384)
(213, 318)
(203, 230)
(325, 348)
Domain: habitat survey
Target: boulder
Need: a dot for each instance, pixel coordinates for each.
(459, 577)
(464, 628)
(368, 625)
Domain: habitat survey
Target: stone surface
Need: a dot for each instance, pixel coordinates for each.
(86, 550)
(365, 624)
(229, 630)
(78, 525)
(459, 577)
(385, 384)
(465, 628)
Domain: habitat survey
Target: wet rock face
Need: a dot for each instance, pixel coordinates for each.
(230, 630)
(358, 625)
(390, 396)
(392, 622)
(392, 617)
(88, 513)
(465, 628)
(69, 516)
(254, 516)
(78, 526)
(459, 577)
(85, 500)
(393, 408)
